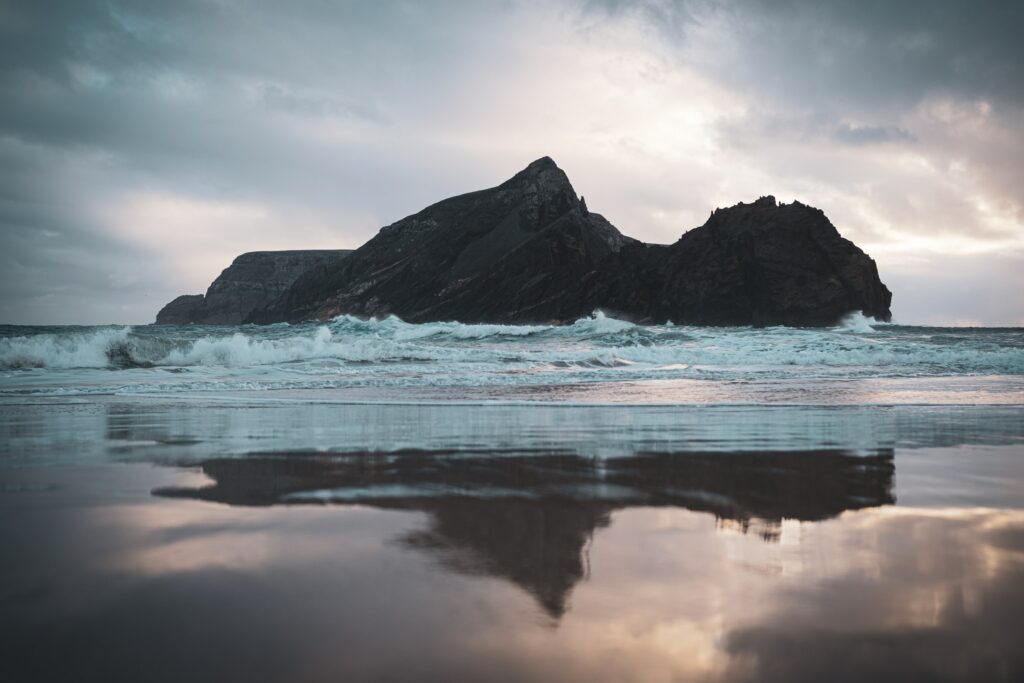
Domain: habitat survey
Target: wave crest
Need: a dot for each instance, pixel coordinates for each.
(599, 323)
(80, 349)
(856, 321)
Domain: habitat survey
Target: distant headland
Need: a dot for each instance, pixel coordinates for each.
(530, 251)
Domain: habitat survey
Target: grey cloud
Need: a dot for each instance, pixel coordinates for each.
(820, 126)
(959, 289)
(871, 53)
(280, 97)
(56, 263)
(862, 135)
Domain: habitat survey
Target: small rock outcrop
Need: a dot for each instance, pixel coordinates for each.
(185, 309)
(251, 281)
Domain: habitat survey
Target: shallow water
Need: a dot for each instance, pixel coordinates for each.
(801, 511)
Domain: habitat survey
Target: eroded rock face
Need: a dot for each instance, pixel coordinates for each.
(529, 251)
(251, 281)
(762, 263)
(182, 310)
(774, 264)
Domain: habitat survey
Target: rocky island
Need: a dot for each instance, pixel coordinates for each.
(530, 251)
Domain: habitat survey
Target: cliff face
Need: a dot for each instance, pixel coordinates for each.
(771, 264)
(252, 280)
(529, 251)
(182, 310)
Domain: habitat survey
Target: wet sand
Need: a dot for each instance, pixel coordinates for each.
(151, 541)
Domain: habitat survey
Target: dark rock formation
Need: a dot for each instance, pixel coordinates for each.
(183, 310)
(751, 264)
(251, 281)
(507, 254)
(529, 251)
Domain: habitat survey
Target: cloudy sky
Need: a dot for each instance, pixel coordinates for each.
(145, 144)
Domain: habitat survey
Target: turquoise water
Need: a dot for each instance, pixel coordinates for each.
(597, 359)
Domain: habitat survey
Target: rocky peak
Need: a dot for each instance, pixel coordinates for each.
(543, 170)
(544, 177)
(545, 185)
(538, 166)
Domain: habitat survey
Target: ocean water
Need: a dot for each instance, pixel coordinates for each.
(595, 360)
(376, 500)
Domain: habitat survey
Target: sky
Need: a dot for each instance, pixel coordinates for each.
(143, 145)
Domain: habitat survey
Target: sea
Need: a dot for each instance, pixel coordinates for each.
(602, 501)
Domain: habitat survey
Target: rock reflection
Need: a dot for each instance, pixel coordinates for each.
(529, 517)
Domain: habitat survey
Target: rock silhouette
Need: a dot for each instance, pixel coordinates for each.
(528, 518)
(530, 251)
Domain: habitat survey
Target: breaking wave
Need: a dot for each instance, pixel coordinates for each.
(858, 322)
(96, 348)
(349, 351)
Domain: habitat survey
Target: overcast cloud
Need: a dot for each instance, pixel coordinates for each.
(143, 145)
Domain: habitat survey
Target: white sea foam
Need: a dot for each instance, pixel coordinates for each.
(392, 326)
(599, 323)
(460, 331)
(856, 321)
(75, 349)
(241, 350)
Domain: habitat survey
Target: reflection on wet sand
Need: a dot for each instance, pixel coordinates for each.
(529, 517)
(192, 591)
(513, 544)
